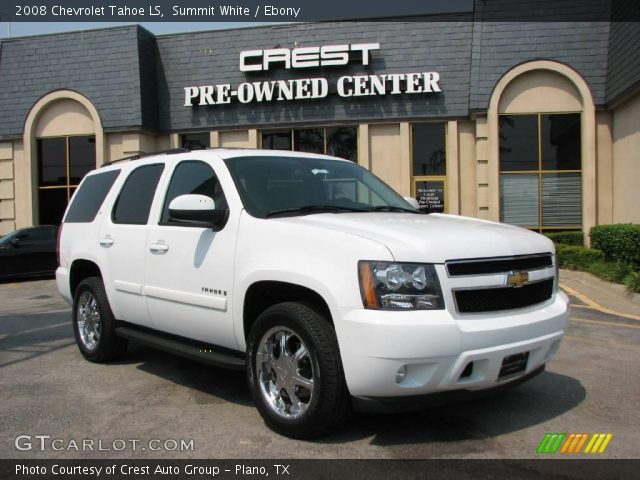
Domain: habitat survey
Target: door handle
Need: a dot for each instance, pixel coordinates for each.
(106, 241)
(159, 247)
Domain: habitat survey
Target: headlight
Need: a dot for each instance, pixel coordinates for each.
(399, 286)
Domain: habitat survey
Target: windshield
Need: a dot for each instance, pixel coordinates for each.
(277, 186)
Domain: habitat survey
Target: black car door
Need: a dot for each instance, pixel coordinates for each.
(36, 251)
(8, 259)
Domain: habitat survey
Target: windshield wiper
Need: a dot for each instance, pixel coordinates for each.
(313, 209)
(389, 208)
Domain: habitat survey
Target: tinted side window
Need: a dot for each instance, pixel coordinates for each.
(136, 196)
(43, 234)
(88, 199)
(193, 177)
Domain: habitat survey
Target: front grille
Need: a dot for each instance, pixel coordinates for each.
(487, 266)
(503, 298)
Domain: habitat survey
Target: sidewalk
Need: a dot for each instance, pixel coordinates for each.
(609, 295)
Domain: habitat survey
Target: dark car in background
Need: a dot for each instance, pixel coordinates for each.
(29, 252)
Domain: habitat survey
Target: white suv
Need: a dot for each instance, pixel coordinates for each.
(307, 270)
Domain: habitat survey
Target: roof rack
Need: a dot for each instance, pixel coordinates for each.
(150, 154)
(173, 150)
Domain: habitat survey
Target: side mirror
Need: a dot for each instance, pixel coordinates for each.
(197, 211)
(413, 202)
(15, 242)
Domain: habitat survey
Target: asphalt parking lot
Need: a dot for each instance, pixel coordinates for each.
(48, 389)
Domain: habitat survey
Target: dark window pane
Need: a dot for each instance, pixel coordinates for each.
(82, 157)
(429, 152)
(86, 203)
(310, 140)
(343, 142)
(193, 177)
(196, 140)
(277, 140)
(518, 142)
(40, 235)
(561, 142)
(136, 196)
(52, 204)
(52, 161)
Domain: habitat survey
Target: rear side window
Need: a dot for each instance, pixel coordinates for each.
(89, 197)
(134, 202)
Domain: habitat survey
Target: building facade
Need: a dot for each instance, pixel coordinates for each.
(534, 124)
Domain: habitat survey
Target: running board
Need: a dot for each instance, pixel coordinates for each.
(204, 353)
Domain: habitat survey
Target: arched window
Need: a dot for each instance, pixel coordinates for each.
(539, 147)
(63, 140)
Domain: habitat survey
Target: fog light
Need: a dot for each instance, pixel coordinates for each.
(401, 373)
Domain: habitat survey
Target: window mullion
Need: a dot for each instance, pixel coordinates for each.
(325, 140)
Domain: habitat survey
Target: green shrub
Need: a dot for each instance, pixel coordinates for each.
(632, 282)
(593, 261)
(614, 272)
(567, 238)
(619, 243)
(573, 257)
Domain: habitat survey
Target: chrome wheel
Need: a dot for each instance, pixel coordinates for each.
(89, 321)
(285, 372)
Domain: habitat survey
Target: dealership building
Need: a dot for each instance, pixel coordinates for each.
(534, 124)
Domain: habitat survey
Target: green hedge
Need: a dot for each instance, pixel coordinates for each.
(574, 257)
(619, 243)
(567, 238)
(593, 261)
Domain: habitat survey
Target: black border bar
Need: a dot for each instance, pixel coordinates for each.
(138, 11)
(320, 469)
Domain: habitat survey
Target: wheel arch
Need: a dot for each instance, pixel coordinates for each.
(81, 269)
(262, 294)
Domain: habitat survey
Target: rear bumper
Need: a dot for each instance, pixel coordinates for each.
(62, 282)
(382, 405)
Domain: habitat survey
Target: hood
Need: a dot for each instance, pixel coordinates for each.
(433, 238)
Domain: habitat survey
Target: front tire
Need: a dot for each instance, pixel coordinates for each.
(295, 373)
(94, 324)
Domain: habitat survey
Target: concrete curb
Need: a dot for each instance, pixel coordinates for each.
(609, 295)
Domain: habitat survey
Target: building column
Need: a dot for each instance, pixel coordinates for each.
(468, 169)
(453, 171)
(363, 146)
(604, 163)
(7, 191)
(482, 171)
(405, 159)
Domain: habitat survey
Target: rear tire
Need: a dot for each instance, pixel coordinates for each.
(94, 324)
(295, 373)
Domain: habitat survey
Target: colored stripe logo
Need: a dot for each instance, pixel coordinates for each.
(573, 443)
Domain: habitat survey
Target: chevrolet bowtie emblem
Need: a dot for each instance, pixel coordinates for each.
(517, 279)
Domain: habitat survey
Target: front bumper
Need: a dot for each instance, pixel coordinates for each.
(382, 405)
(435, 348)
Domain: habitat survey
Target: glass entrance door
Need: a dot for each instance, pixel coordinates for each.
(429, 164)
